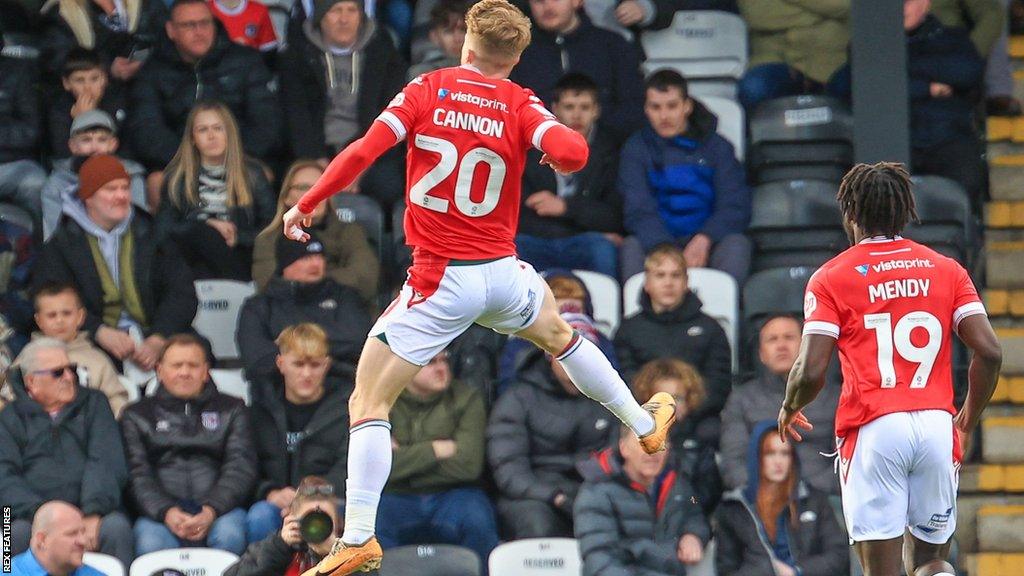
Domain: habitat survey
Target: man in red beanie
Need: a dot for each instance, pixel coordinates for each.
(130, 282)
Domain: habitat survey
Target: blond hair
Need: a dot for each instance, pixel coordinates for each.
(665, 252)
(499, 31)
(307, 340)
(670, 369)
(183, 169)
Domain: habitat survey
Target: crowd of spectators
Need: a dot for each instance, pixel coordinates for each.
(156, 143)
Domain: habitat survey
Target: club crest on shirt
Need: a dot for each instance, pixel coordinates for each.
(398, 100)
(810, 303)
(250, 30)
(210, 420)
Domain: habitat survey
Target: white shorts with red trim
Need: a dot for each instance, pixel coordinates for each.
(441, 299)
(900, 471)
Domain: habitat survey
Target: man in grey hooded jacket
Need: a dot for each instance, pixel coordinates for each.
(127, 280)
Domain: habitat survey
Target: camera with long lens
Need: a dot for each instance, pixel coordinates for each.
(316, 526)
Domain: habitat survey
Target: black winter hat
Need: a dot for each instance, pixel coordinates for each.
(289, 251)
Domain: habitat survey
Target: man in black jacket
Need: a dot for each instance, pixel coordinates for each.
(565, 40)
(59, 440)
(300, 291)
(671, 325)
(539, 429)
(573, 221)
(190, 452)
(21, 177)
(635, 515)
(198, 61)
(300, 421)
(335, 79)
(127, 280)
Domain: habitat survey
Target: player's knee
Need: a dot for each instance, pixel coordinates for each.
(935, 568)
(362, 406)
(554, 336)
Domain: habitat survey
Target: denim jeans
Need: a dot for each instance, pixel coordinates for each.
(587, 251)
(775, 80)
(21, 183)
(262, 520)
(227, 533)
(461, 516)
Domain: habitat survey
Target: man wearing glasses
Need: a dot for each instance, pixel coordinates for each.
(59, 440)
(199, 62)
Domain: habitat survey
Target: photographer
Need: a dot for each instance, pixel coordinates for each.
(306, 537)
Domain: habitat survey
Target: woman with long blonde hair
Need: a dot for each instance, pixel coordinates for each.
(215, 200)
(777, 525)
(350, 259)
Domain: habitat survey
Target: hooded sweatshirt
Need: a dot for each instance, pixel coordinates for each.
(64, 180)
(341, 118)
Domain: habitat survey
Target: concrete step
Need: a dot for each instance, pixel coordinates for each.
(989, 478)
(1001, 440)
(1004, 214)
(995, 564)
(1012, 340)
(967, 508)
(1016, 47)
(1001, 528)
(1003, 129)
(1006, 177)
(1004, 270)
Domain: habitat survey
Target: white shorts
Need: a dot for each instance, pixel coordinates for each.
(440, 300)
(901, 471)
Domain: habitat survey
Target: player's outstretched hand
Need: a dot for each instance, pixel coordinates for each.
(294, 220)
(790, 421)
(547, 161)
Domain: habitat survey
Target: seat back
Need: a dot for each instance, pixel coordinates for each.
(779, 290)
(109, 565)
(731, 123)
(220, 302)
(947, 221)
(699, 44)
(430, 560)
(606, 297)
(232, 383)
(807, 118)
(717, 291)
(536, 557)
(798, 204)
(366, 212)
(191, 561)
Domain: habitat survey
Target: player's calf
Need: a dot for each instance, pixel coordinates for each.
(935, 568)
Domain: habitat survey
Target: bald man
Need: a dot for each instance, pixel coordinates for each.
(57, 545)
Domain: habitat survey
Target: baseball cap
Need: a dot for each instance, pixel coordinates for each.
(93, 119)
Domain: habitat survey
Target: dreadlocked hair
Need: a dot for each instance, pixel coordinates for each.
(877, 198)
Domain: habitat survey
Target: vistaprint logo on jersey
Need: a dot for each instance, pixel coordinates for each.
(890, 265)
(467, 98)
(863, 269)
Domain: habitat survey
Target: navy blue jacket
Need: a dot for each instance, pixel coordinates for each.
(677, 187)
(604, 56)
(947, 55)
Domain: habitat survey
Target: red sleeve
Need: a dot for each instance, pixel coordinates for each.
(965, 301)
(405, 108)
(821, 315)
(266, 38)
(540, 128)
(349, 164)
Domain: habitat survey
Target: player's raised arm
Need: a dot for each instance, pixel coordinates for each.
(345, 167)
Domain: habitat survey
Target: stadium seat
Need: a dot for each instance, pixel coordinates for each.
(606, 298)
(947, 222)
(16, 215)
(801, 137)
(731, 122)
(109, 565)
(795, 223)
(536, 557)
(430, 560)
(232, 383)
(199, 561)
(220, 302)
(402, 253)
(366, 212)
(708, 47)
(779, 290)
(716, 290)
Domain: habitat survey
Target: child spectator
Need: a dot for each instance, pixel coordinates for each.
(60, 315)
(92, 132)
(447, 34)
(247, 23)
(87, 86)
(214, 200)
(776, 525)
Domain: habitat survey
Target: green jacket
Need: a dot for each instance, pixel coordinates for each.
(809, 35)
(986, 19)
(456, 414)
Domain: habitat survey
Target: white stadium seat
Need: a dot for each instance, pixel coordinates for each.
(191, 561)
(536, 557)
(716, 289)
(109, 565)
(231, 382)
(731, 123)
(606, 297)
(708, 47)
(220, 301)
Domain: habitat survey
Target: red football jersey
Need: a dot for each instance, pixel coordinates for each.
(468, 137)
(248, 24)
(893, 305)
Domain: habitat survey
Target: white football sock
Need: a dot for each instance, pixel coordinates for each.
(369, 465)
(592, 373)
